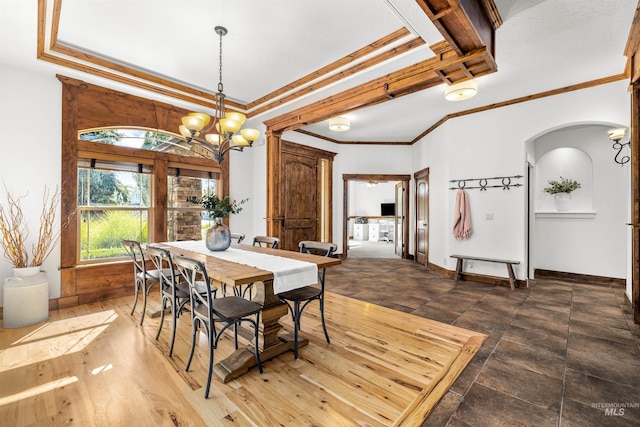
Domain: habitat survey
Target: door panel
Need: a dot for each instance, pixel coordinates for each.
(399, 222)
(299, 200)
(422, 219)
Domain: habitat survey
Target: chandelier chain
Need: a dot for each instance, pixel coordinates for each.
(220, 64)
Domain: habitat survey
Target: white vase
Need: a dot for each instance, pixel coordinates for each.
(25, 298)
(562, 201)
(26, 271)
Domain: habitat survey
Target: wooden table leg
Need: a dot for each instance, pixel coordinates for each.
(512, 276)
(270, 343)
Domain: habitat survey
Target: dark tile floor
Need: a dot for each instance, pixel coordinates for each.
(557, 353)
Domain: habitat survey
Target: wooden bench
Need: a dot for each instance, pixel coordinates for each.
(512, 276)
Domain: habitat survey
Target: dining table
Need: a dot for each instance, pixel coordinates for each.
(271, 271)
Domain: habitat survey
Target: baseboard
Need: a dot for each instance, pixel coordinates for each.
(579, 278)
(440, 270)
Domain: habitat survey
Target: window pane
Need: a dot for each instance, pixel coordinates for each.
(101, 232)
(146, 139)
(186, 220)
(97, 187)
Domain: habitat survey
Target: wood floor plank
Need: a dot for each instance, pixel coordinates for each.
(96, 365)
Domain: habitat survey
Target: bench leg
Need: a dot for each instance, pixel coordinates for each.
(458, 269)
(512, 277)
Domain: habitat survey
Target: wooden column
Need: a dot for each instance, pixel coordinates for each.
(274, 182)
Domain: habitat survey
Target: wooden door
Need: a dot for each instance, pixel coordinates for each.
(422, 216)
(299, 200)
(305, 196)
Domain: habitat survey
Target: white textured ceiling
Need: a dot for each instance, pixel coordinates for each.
(542, 45)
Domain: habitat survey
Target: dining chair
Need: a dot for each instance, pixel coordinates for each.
(264, 242)
(206, 311)
(174, 293)
(144, 279)
(238, 237)
(298, 299)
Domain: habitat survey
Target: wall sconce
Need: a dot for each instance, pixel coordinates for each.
(616, 135)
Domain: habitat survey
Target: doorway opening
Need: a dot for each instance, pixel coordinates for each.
(375, 216)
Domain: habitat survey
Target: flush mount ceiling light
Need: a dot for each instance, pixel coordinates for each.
(461, 91)
(339, 124)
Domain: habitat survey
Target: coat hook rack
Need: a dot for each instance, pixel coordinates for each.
(483, 183)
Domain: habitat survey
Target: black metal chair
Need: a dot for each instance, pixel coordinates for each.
(174, 293)
(206, 310)
(238, 237)
(298, 299)
(266, 241)
(143, 279)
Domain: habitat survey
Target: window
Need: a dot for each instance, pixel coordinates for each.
(113, 204)
(115, 194)
(187, 220)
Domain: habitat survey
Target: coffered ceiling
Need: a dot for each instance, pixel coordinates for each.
(284, 55)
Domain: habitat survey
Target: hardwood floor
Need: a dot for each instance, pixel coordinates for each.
(554, 352)
(94, 365)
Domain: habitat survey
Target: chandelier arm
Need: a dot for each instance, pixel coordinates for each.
(619, 146)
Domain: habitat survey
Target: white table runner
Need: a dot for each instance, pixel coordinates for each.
(288, 274)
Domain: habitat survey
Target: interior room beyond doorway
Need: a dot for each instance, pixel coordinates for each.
(371, 228)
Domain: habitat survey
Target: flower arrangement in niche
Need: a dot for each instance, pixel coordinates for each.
(564, 185)
(218, 207)
(14, 230)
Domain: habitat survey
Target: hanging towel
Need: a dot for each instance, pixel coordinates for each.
(462, 220)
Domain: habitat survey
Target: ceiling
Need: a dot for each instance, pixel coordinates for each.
(542, 45)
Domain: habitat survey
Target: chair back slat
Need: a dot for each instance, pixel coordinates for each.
(134, 250)
(318, 248)
(266, 241)
(238, 237)
(190, 270)
(161, 259)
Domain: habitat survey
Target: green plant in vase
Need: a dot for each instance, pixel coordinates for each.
(218, 235)
(562, 190)
(564, 185)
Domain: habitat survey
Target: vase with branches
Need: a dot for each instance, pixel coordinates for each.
(15, 230)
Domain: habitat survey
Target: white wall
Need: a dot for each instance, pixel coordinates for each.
(30, 111)
(492, 143)
(365, 200)
(597, 243)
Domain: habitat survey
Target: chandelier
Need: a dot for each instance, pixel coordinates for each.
(228, 135)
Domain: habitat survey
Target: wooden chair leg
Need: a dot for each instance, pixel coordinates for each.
(512, 277)
(458, 269)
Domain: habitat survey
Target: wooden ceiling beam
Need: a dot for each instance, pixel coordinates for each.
(410, 79)
(467, 51)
